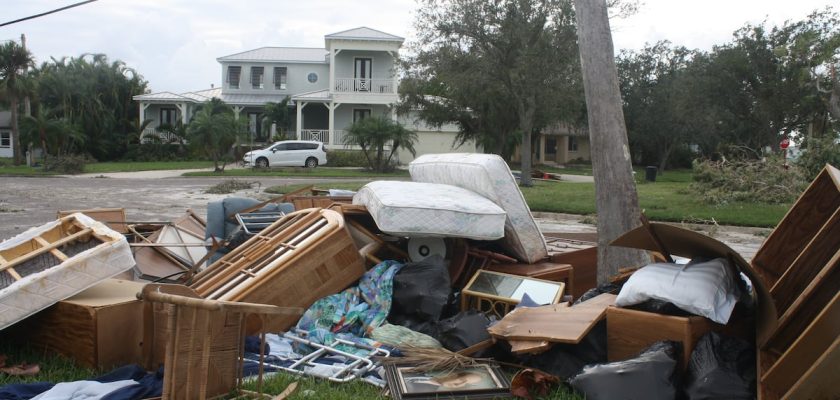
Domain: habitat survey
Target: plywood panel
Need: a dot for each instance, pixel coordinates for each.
(554, 323)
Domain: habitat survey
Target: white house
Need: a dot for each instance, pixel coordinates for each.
(354, 76)
(6, 149)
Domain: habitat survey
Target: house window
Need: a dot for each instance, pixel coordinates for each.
(280, 78)
(257, 74)
(167, 116)
(5, 139)
(233, 77)
(312, 77)
(360, 114)
(573, 143)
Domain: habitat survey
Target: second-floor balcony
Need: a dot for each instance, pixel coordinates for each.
(365, 85)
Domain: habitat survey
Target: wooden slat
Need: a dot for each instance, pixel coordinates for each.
(807, 306)
(798, 227)
(58, 254)
(805, 350)
(820, 381)
(819, 251)
(554, 323)
(42, 250)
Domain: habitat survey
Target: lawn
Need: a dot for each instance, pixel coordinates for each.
(6, 168)
(667, 199)
(320, 172)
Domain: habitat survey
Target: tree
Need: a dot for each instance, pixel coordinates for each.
(276, 114)
(95, 95)
(213, 130)
(14, 60)
(658, 109)
(616, 200)
(374, 134)
(520, 51)
(56, 136)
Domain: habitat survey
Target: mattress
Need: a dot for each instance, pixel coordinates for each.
(489, 176)
(55, 261)
(431, 210)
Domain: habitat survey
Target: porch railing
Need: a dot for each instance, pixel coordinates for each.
(323, 135)
(153, 135)
(363, 85)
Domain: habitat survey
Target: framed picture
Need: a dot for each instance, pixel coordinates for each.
(481, 381)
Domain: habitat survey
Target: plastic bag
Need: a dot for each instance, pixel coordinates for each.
(721, 367)
(421, 290)
(567, 360)
(649, 376)
(463, 330)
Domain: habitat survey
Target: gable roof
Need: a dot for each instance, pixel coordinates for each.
(160, 96)
(364, 33)
(287, 54)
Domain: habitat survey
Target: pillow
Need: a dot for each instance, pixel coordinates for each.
(705, 288)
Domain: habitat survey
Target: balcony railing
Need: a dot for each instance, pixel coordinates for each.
(323, 136)
(362, 85)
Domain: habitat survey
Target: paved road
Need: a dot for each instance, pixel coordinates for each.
(27, 202)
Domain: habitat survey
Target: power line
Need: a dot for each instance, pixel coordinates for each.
(47, 13)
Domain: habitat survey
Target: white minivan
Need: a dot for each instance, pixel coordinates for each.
(288, 153)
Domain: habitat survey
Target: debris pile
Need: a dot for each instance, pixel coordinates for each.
(442, 287)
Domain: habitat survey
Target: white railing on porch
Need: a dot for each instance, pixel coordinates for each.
(362, 85)
(323, 136)
(153, 135)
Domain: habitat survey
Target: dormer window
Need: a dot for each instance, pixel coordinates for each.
(257, 74)
(233, 77)
(280, 78)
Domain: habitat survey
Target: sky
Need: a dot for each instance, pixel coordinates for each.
(174, 43)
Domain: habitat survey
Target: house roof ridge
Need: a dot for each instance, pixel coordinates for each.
(338, 34)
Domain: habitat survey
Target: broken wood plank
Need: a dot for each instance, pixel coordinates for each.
(553, 323)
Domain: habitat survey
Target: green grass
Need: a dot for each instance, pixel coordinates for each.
(128, 166)
(6, 168)
(53, 368)
(668, 199)
(320, 172)
(662, 201)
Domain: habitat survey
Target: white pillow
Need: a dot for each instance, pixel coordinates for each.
(703, 288)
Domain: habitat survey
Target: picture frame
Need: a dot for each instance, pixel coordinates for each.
(477, 382)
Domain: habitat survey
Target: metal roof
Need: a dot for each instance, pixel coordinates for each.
(161, 96)
(251, 99)
(204, 95)
(287, 54)
(364, 33)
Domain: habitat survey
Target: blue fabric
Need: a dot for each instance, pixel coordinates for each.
(148, 385)
(354, 313)
(252, 345)
(24, 391)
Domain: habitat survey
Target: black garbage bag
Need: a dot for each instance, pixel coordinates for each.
(721, 367)
(649, 376)
(594, 292)
(421, 291)
(463, 330)
(567, 360)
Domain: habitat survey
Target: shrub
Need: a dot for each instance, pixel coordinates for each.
(817, 154)
(346, 158)
(757, 181)
(69, 164)
(156, 152)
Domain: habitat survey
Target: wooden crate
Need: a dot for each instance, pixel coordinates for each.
(101, 327)
(304, 256)
(800, 263)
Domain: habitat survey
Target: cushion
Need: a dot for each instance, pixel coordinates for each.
(428, 209)
(705, 288)
(489, 176)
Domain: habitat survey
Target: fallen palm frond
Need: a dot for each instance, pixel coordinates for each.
(229, 186)
(434, 359)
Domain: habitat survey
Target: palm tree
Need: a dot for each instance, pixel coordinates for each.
(214, 130)
(373, 134)
(277, 114)
(14, 60)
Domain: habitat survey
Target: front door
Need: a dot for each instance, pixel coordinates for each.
(362, 73)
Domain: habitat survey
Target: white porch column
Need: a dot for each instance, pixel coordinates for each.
(333, 53)
(236, 111)
(299, 120)
(142, 106)
(182, 107)
(332, 106)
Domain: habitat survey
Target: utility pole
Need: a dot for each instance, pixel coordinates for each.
(616, 200)
(27, 105)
